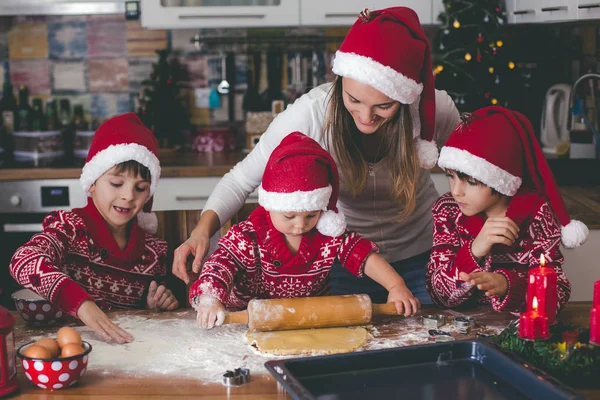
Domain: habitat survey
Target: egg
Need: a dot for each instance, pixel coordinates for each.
(67, 335)
(36, 351)
(71, 349)
(50, 344)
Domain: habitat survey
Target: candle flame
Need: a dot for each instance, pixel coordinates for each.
(542, 260)
(534, 303)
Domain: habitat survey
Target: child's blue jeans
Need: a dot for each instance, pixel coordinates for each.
(412, 271)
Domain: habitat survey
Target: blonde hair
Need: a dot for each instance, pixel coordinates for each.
(397, 141)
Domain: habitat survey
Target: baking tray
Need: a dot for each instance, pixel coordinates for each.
(469, 369)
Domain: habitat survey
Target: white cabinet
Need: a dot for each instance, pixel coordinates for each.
(588, 9)
(61, 7)
(175, 14)
(558, 10)
(345, 12)
(522, 11)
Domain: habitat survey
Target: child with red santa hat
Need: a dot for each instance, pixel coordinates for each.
(503, 211)
(104, 255)
(288, 245)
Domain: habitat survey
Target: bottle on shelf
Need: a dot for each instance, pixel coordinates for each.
(8, 110)
(23, 117)
(51, 116)
(37, 116)
(68, 133)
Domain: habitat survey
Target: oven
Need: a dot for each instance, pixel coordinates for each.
(23, 206)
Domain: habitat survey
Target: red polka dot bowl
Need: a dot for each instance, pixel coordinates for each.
(54, 373)
(34, 309)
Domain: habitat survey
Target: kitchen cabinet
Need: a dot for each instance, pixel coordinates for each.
(61, 7)
(547, 11)
(176, 14)
(588, 9)
(344, 12)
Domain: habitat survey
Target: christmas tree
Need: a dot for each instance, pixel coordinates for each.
(471, 59)
(161, 108)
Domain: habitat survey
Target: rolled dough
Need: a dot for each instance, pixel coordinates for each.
(308, 341)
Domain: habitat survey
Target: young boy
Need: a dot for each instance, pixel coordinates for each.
(101, 256)
(503, 211)
(288, 245)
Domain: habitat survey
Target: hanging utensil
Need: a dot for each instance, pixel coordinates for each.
(223, 86)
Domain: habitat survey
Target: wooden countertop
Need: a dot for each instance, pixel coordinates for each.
(115, 384)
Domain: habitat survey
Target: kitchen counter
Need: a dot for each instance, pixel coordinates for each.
(103, 382)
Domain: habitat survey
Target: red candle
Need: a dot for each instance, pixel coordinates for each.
(595, 316)
(533, 325)
(596, 294)
(542, 286)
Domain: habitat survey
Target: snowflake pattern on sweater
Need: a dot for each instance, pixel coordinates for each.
(76, 258)
(453, 234)
(254, 262)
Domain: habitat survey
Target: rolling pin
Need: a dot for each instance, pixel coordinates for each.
(309, 312)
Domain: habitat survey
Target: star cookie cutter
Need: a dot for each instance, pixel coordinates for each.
(237, 377)
(433, 321)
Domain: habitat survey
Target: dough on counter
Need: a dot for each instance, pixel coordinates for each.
(308, 341)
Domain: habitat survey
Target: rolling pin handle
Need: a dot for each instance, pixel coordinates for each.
(238, 317)
(384, 309)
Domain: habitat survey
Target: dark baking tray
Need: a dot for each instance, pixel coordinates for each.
(469, 369)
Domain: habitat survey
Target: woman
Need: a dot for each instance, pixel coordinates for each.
(378, 119)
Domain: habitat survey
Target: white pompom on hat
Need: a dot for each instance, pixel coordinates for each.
(124, 138)
(388, 50)
(301, 176)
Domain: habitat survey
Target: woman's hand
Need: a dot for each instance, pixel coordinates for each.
(94, 318)
(501, 230)
(161, 298)
(406, 303)
(493, 283)
(197, 245)
(211, 312)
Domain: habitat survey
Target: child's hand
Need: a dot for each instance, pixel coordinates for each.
(211, 312)
(406, 303)
(492, 283)
(94, 318)
(501, 230)
(161, 298)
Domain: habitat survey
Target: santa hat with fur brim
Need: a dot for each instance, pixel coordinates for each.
(120, 139)
(301, 176)
(388, 50)
(497, 147)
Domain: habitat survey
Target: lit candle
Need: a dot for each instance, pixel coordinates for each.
(533, 324)
(595, 316)
(542, 286)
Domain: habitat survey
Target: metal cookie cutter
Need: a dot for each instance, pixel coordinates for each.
(440, 336)
(433, 321)
(464, 324)
(237, 377)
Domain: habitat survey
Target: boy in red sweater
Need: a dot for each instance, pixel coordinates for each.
(288, 245)
(503, 211)
(104, 255)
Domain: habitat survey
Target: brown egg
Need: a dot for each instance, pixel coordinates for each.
(71, 349)
(67, 335)
(35, 351)
(50, 344)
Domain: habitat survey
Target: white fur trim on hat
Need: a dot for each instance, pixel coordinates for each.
(332, 223)
(427, 153)
(480, 169)
(116, 154)
(298, 201)
(148, 222)
(574, 234)
(382, 77)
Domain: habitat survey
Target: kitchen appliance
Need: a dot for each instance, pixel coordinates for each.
(23, 206)
(584, 135)
(555, 114)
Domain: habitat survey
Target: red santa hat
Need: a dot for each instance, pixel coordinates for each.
(388, 50)
(497, 147)
(124, 138)
(301, 176)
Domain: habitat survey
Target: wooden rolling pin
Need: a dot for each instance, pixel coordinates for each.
(309, 312)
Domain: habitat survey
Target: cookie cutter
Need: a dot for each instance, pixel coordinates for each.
(464, 324)
(440, 336)
(433, 321)
(237, 377)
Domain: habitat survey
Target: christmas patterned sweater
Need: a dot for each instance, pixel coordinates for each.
(76, 258)
(254, 262)
(453, 233)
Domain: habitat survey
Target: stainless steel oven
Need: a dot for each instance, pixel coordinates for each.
(23, 206)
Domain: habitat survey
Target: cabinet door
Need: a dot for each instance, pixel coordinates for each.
(524, 11)
(588, 9)
(174, 14)
(558, 10)
(345, 12)
(437, 7)
(62, 7)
